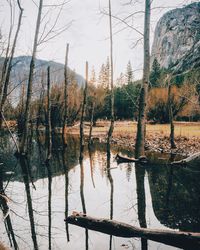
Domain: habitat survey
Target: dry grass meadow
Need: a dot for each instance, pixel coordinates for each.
(128, 129)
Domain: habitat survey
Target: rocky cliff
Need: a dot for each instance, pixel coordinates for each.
(177, 39)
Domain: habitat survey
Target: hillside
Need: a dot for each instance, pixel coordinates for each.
(177, 39)
(20, 70)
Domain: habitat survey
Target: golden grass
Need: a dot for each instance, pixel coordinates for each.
(182, 129)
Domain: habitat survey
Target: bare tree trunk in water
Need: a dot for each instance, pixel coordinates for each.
(109, 136)
(48, 122)
(49, 149)
(30, 83)
(40, 106)
(171, 117)
(21, 111)
(6, 78)
(65, 95)
(81, 150)
(141, 126)
(91, 121)
(83, 112)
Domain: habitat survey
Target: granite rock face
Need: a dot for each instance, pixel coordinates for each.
(177, 39)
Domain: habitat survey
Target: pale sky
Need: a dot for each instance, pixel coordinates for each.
(88, 34)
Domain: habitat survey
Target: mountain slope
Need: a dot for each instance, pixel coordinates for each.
(177, 39)
(20, 71)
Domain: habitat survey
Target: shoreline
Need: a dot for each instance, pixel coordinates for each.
(157, 140)
(187, 135)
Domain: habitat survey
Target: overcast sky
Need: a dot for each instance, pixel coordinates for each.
(88, 34)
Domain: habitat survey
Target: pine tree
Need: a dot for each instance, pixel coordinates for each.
(129, 73)
(155, 74)
(93, 80)
(104, 75)
(107, 73)
(121, 80)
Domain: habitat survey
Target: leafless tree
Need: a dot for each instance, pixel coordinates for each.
(48, 118)
(30, 82)
(83, 112)
(109, 136)
(8, 63)
(92, 119)
(171, 116)
(66, 81)
(141, 126)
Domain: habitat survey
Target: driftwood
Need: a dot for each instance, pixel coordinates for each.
(122, 159)
(193, 160)
(186, 240)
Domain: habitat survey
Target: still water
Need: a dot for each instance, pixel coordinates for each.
(157, 196)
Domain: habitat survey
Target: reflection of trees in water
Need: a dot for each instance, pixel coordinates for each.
(37, 157)
(175, 192)
(7, 220)
(48, 166)
(175, 196)
(111, 189)
(81, 155)
(26, 178)
(141, 200)
(129, 171)
(83, 199)
(91, 163)
(66, 171)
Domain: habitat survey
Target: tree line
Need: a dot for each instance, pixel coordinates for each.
(185, 98)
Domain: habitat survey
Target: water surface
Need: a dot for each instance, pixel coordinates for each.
(157, 196)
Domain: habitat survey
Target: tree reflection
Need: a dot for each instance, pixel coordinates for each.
(82, 185)
(49, 201)
(111, 188)
(26, 178)
(5, 210)
(66, 171)
(141, 200)
(91, 164)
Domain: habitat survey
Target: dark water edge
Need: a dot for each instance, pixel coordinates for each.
(157, 196)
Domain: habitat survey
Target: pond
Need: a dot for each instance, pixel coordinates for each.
(156, 196)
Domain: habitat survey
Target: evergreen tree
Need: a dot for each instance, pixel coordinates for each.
(129, 73)
(93, 80)
(121, 80)
(104, 75)
(155, 74)
(107, 73)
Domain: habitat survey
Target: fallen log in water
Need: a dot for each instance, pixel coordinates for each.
(186, 240)
(123, 159)
(193, 160)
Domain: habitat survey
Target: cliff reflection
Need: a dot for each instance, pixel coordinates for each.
(175, 196)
